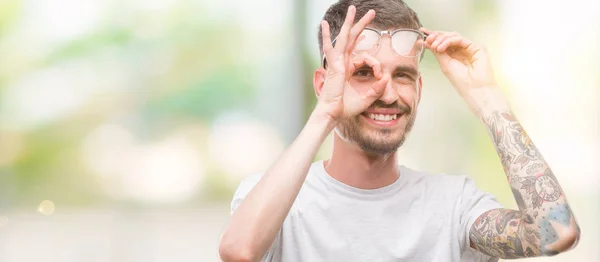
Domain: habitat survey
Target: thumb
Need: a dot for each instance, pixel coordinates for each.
(376, 90)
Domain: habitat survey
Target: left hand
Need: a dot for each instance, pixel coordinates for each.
(466, 65)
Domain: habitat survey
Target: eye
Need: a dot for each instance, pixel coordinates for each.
(402, 75)
(363, 73)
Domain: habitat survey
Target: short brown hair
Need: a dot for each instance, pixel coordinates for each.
(388, 14)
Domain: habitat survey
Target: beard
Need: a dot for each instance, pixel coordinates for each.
(381, 141)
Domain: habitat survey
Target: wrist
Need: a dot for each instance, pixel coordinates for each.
(321, 121)
(487, 101)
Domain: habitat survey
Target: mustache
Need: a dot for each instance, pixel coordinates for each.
(402, 107)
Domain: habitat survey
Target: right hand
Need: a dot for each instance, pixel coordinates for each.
(338, 99)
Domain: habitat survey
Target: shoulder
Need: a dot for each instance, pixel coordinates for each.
(248, 183)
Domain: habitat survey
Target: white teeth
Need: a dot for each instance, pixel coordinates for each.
(381, 117)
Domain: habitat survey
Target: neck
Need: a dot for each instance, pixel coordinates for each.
(352, 166)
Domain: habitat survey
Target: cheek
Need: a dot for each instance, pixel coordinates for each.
(362, 85)
(351, 121)
(408, 94)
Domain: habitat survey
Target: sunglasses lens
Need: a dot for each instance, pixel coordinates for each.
(408, 43)
(368, 42)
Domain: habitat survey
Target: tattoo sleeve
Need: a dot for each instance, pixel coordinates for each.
(544, 224)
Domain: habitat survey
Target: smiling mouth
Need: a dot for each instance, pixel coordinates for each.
(382, 119)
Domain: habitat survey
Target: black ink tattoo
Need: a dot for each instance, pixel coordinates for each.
(547, 187)
(497, 134)
(528, 184)
(519, 199)
(544, 222)
(542, 188)
(499, 233)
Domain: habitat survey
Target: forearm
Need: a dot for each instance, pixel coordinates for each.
(544, 208)
(256, 222)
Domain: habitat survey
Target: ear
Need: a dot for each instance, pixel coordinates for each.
(419, 88)
(319, 80)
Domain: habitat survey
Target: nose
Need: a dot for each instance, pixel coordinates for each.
(390, 94)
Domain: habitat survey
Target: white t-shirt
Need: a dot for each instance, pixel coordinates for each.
(420, 217)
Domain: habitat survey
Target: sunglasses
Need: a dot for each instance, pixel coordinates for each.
(406, 42)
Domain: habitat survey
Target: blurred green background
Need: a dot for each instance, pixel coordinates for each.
(125, 126)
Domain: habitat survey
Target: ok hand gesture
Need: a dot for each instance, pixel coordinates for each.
(337, 98)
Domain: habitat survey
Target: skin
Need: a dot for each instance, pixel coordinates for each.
(364, 154)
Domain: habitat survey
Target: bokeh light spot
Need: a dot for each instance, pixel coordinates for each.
(46, 207)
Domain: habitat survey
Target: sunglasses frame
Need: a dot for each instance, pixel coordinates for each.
(381, 33)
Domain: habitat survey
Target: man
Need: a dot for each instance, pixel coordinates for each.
(360, 205)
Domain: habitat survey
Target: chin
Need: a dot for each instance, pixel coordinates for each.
(384, 141)
(374, 139)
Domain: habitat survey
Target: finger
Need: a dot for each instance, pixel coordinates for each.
(449, 42)
(350, 48)
(434, 35)
(345, 30)
(357, 63)
(425, 30)
(327, 43)
(426, 45)
(455, 41)
(374, 64)
(376, 91)
(360, 38)
(429, 32)
(370, 61)
(358, 28)
(429, 40)
(326, 34)
(438, 40)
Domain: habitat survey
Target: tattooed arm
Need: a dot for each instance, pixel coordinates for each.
(544, 224)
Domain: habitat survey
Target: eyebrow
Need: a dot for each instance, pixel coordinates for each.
(407, 69)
